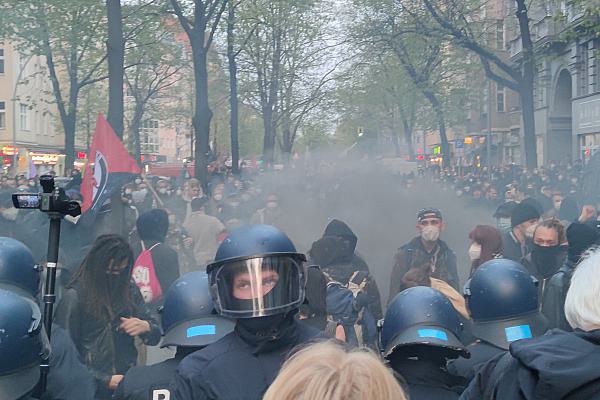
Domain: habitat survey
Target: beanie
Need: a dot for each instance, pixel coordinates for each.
(580, 238)
(523, 212)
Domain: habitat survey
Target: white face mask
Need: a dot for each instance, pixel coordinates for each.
(138, 181)
(430, 233)
(162, 190)
(475, 251)
(218, 197)
(10, 213)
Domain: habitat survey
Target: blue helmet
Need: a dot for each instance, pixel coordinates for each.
(256, 272)
(502, 299)
(23, 345)
(187, 315)
(421, 316)
(17, 267)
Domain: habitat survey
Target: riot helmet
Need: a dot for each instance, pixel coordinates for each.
(502, 299)
(17, 267)
(187, 314)
(257, 272)
(421, 316)
(23, 345)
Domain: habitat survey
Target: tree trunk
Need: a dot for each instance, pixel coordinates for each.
(69, 128)
(408, 138)
(527, 86)
(441, 122)
(233, 92)
(134, 130)
(202, 114)
(116, 59)
(268, 143)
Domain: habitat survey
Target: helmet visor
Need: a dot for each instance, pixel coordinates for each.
(259, 286)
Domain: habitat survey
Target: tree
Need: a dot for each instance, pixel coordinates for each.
(68, 35)
(200, 20)
(460, 22)
(115, 48)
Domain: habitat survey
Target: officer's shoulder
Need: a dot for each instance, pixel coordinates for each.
(196, 362)
(138, 378)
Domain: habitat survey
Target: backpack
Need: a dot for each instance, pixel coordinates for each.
(144, 276)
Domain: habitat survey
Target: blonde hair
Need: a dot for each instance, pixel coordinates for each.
(326, 371)
(582, 304)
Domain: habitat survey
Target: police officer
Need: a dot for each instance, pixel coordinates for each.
(257, 277)
(23, 345)
(188, 322)
(68, 378)
(420, 333)
(502, 298)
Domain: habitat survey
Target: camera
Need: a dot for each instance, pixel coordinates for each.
(52, 199)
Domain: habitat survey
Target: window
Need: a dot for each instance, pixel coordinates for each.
(24, 117)
(500, 98)
(2, 115)
(584, 63)
(596, 64)
(500, 34)
(1, 61)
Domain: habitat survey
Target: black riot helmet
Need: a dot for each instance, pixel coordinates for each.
(17, 267)
(257, 272)
(422, 316)
(502, 298)
(23, 345)
(187, 315)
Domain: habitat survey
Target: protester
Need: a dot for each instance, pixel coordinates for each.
(486, 244)
(425, 251)
(420, 334)
(103, 313)
(523, 220)
(258, 278)
(327, 371)
(558, 365)
(157, 266)
(204, 230)
(271, 214)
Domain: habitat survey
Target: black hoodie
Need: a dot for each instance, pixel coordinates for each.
(558, 365)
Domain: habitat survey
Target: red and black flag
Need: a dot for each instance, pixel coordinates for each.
(109, 168)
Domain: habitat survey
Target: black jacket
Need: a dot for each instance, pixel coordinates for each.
(240, 366)
(149, 382)
(559, 365)
(428, 381)
(481, 353)
(511, 247)
(553, 300)
(103, 347)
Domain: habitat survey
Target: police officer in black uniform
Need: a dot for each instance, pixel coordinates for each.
(23, 345)
(257, 277)
(68, 377)
(188, 322)
(420, 333)
(502, 298)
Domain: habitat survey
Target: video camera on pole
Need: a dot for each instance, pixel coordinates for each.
(56, 204)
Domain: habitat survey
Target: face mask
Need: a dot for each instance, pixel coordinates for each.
(475, 251)
(138, 181)
(10, 213)
(31, 184)
(272, 204)
(162, 190)
(557, 205)
(430, 233)
(261, 324)
(178, 192)
(503, 224)
(128, 191)
(234, 204)
(547, 259)
(218, 197)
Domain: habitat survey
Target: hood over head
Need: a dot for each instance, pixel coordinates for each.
(341, 229)
(558, 363)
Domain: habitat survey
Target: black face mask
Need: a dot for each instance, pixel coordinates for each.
(262, 326)
(547, 259)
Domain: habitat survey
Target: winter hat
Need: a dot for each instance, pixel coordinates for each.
(580, 238)
(153, 225)
(505, 210)
(523, 212)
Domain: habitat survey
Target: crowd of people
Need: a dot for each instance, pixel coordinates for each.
(214, 274)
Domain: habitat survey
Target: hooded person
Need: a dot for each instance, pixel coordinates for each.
(523, 220)
(426, 251)
(558, 365)
(336, 254)
(157, 266)
(580, 238)
(420, 334)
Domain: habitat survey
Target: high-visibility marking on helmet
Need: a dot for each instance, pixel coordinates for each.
(433, 333)
(517, 333)
(201, 330)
